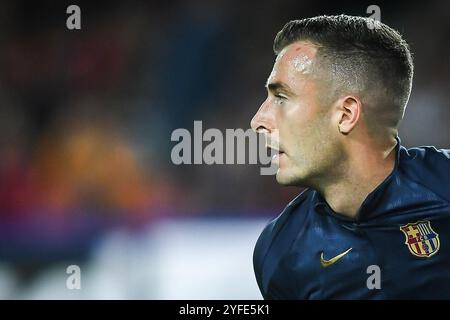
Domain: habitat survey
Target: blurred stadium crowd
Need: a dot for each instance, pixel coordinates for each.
(86, 116)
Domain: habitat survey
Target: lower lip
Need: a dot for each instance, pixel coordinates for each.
(276, 157)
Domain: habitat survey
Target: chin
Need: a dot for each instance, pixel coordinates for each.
(286, 178)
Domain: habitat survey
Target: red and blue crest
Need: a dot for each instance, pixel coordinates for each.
(421, 239)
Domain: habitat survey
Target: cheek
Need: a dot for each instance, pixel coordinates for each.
(304, 136)
(296, 120)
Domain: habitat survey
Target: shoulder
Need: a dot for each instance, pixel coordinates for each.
(271, 230)
(273, 227)
(427, 154)
(429, 167)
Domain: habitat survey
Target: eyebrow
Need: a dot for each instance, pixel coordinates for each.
(279, 87)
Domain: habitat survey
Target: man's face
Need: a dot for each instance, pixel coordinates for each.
(293, 120)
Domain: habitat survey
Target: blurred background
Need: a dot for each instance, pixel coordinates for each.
(85, 123)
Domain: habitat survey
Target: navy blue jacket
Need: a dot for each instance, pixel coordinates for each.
(401, 237)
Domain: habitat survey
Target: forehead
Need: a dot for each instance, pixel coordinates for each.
(293, 63)
(300, 49)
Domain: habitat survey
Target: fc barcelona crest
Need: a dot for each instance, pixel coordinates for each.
(421, 239)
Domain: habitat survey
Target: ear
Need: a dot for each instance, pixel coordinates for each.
(349, 112)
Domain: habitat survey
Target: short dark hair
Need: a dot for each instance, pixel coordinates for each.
(360, 55)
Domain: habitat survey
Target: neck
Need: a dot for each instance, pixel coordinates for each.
(366, 167)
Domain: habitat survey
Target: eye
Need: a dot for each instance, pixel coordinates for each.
(279, 99)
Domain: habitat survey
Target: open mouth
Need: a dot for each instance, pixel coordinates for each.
(276, 157)
(276, 150)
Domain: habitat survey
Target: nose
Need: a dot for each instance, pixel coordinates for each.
(263, 120)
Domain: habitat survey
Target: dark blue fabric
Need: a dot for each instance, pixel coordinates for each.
(287, 253)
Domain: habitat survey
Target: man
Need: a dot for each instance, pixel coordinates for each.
(374, 221)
